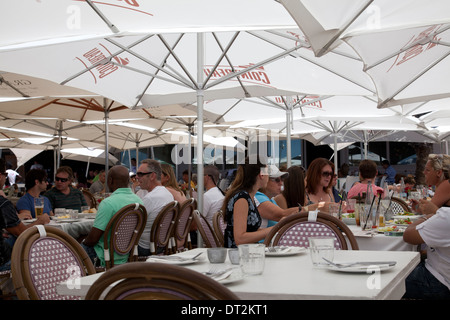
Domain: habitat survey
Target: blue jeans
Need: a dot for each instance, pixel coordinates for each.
(6, 266)
(421, 284)
(91, 253)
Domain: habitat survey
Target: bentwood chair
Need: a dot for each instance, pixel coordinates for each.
(90, 199)
(162, 229)
(206, 231)
(295, 230)
(399, 206)
(219, 226)
(156, 281)
(181, 231)
(44, 256)
(124, 229)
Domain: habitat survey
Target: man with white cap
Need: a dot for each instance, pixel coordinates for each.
(213, 197)
(270, 212)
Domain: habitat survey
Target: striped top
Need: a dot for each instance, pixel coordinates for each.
(74, 200)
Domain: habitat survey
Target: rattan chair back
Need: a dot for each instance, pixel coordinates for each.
(44, 256)
(162, 229)
(156, 281)
(206, 231)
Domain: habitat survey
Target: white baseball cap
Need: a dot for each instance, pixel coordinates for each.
(274, 172)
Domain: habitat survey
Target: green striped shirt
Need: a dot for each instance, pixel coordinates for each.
(74, 200)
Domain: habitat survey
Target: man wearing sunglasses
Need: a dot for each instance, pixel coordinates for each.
(63, 195)
(9, 221)
(149, 177)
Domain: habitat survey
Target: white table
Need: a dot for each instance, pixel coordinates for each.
(76, 229)
(294, 277)
(380, 242)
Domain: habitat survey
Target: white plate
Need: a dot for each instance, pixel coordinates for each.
(349, 221)
(285, 251)
(235, 276)
(173, 261)
(27, 221)
(362, 269)
(66, 220)
(412, 218)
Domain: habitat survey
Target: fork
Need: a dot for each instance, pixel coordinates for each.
(368, 263)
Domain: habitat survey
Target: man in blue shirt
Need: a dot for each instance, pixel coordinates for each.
(35, 183)
(389, 172)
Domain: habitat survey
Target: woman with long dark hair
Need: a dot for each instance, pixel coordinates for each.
(241, 214)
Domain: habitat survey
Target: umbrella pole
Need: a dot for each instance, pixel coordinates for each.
(288, 131)
(106, 142)
(200, 101)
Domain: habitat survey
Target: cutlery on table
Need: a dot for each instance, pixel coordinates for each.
(361, 263)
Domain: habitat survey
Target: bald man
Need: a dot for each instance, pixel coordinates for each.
(118, 182)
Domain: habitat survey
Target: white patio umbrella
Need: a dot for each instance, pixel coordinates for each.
(163, 63)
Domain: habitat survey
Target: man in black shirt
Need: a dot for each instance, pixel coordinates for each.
(9, 221)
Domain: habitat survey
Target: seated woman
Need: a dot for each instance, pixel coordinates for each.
(168, 180)
(318, 183)
(294, 192)
(270, 212)
(241, 214)
(436, 174)
(367, 173)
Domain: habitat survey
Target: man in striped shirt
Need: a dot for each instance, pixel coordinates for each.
(63, 195)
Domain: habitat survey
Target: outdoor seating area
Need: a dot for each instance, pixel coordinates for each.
(252, 150)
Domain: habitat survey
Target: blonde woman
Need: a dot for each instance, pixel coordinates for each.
(436, 174)
(168, 180)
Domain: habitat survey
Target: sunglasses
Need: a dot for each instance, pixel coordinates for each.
(141, 174)
(277, 180)
(327, 174)
(61, 179)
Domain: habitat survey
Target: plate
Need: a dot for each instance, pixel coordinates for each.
(235, 276)
(183, 261)
(404, 217)
(362, 268)
(28, 221)
(66, 220)
(349, 221)
(285, 251)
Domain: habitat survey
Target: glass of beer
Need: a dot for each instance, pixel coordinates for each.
(38, 206)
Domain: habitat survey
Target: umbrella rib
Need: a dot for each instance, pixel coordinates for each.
(257, 65)
(382, 104)
(298, 55)
(2, 80)
(415, 43)
(103, 17)
(178, 61)
(176, 76)
(101, 62)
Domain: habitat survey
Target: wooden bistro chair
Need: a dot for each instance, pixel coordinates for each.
(219, 226)
(125, 228)
(399, 206)
(206, 231)
(181, 231)
(90, 199)
(295, 230)
(162, 229)
(157, 281)
(44, 256)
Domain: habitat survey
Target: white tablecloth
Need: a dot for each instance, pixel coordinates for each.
(381, 242)
(294, 277)
(76, 229)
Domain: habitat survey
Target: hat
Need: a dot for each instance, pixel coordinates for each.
(274, 172)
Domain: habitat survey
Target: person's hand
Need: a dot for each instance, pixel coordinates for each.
(427, 207)
(43, 219)
(25, 215)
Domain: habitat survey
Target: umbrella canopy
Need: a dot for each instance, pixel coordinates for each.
(90, 155)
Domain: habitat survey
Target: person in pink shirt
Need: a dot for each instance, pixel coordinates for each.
(367, 172)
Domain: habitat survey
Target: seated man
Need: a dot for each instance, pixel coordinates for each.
(9, 220)
(63, 195)
(431, 278)
(118, 182)
(213, 197)
(35, 183)
(149, 177)
(99, 186)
